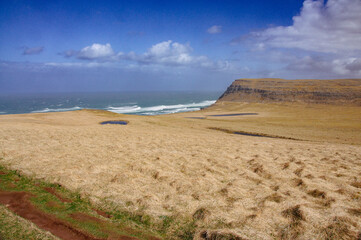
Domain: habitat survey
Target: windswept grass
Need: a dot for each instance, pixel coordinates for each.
(175, 178)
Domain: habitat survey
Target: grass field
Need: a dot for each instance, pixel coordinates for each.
(314, 122)
(178, 172)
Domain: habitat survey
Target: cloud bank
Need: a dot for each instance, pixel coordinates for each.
(324, 41)
(331, 27)
(166, 53)
(316, 66)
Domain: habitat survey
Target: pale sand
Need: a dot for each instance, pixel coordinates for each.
(173, 165)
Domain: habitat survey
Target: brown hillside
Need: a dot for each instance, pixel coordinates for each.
(339, 92)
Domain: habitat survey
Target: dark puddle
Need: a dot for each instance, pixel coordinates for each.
(114, 122)
(233, 114)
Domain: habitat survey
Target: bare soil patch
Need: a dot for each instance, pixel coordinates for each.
(85, 217)
(66, 218)
(102, 213)
(19, 203)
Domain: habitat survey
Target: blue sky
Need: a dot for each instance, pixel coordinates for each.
(52, 46)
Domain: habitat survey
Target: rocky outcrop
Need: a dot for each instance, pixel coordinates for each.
(340, 91)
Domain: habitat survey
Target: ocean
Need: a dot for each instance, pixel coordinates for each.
(139, 103)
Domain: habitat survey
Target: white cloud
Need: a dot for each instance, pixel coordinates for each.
(324, 41)
(96, 51)
(170, 53)
(329, 28)
(317, 66)
(215, 29)
(166, 53)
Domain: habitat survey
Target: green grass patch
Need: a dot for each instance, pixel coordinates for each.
(67, 206)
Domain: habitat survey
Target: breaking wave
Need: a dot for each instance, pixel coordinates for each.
(57, 109)
(161, 109)
(138, 110)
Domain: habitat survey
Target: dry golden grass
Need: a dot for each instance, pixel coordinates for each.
(231, 185)
(315, 122)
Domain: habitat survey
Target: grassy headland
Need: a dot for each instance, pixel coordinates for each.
(178, 177)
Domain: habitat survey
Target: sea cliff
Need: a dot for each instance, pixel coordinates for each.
(338, 91)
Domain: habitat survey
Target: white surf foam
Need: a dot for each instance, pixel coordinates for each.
(135, 109)
(57, 109)
(126, 109)
(161, 109)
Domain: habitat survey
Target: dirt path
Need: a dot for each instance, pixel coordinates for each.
(19, 203)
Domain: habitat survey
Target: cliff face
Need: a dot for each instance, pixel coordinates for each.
(340, 91)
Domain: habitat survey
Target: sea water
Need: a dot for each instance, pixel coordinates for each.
(140, 103)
